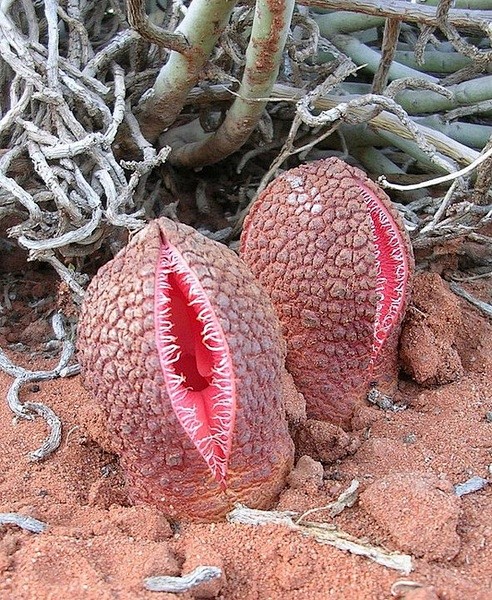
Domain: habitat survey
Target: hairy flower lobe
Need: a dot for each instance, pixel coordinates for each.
(392, 268)
(195, 360)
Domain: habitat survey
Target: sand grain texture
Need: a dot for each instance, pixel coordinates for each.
(98, 547)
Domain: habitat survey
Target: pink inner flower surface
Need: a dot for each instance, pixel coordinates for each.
(195, 360)
(393, 269)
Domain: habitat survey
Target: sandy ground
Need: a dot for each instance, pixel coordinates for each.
(97, 546)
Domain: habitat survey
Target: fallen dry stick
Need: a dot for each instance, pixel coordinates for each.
(176, 585)
(29, 410)
(22, 521)
(323, 533)
(483, 306)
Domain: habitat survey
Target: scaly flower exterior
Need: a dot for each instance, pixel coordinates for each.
(183, 350)
(334, 256)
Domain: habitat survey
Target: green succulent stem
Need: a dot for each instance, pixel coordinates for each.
(345, 22)
(201, 27)
(463, 94)
(434, 61)
(362, 54)
(271, 26)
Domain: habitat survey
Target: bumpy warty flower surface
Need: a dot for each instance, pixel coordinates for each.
(120, 364)
(310, 240)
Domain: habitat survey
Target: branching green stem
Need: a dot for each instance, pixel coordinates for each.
(363, 55)
(263, 57)
(201, 27)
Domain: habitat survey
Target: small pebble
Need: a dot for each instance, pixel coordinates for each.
(474, 484)
(412, 590)
(308, 473)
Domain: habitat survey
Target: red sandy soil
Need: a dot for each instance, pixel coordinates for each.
(97, 546)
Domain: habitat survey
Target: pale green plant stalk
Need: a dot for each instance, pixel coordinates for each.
(434, 60)
(375, 161)
(345, 22)
(370, 59)
(271, 26)
(471, 134)
(423, 101)
(411, 148)
(202, 25)
(466, 93)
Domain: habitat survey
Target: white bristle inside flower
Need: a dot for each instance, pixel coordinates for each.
(195, 360)
(392, 269)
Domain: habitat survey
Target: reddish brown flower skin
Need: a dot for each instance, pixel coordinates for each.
(120, 365)
(309, 241)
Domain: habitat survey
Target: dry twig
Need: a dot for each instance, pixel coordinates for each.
(324, 534)
(185, 583)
